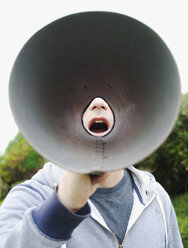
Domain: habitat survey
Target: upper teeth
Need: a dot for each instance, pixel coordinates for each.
(98, 121)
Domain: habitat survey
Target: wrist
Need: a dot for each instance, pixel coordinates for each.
(55, 220)
(71, 204)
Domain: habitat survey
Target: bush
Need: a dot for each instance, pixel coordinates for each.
(19, 162)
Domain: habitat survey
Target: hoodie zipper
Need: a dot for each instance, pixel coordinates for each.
(121, 245)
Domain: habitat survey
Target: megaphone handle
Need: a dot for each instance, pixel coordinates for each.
(96, 173)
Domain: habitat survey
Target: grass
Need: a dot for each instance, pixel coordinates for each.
(181, 207)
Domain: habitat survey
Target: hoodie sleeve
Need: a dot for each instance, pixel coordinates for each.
(174, 237)
(173, 234)
(29, 218)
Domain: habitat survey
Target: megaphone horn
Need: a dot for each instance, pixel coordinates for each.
(73, 60)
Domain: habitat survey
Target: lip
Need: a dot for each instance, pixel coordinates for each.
(103, 120)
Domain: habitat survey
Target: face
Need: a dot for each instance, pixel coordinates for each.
(98, 118)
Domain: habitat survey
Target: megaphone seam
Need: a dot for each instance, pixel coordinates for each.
(99, 154)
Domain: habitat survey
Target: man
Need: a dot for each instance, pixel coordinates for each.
(56, 208)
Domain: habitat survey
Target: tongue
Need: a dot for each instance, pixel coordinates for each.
(98, 127)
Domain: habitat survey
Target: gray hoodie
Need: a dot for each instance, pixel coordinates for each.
(152, 223)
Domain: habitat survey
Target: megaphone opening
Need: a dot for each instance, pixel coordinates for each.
(98, 118)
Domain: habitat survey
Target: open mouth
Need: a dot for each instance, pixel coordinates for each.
(98, 118)
(99, 126)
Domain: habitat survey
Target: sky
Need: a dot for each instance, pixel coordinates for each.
(20, 19)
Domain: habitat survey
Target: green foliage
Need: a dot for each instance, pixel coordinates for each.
(33, 160)
(184, 105)
(169, 163)
(181, 207)
(18, 163)
(1, 201)
(1, 187)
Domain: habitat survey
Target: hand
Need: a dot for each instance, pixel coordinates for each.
(74, 189)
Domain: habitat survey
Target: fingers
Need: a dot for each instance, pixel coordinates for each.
(99, 179)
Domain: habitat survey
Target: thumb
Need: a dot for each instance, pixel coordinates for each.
(94, 187)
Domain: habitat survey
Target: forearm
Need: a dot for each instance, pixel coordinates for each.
(26, 234)
(33, 222)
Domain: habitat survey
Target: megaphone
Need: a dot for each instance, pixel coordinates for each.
(85, 55)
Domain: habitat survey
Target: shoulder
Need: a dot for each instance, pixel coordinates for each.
(40, 186)
(147, 182)
(49, 175)
(45, 180)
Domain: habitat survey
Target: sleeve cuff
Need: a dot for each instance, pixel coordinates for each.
(55, 220)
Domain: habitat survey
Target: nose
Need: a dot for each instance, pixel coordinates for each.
(98, 103)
